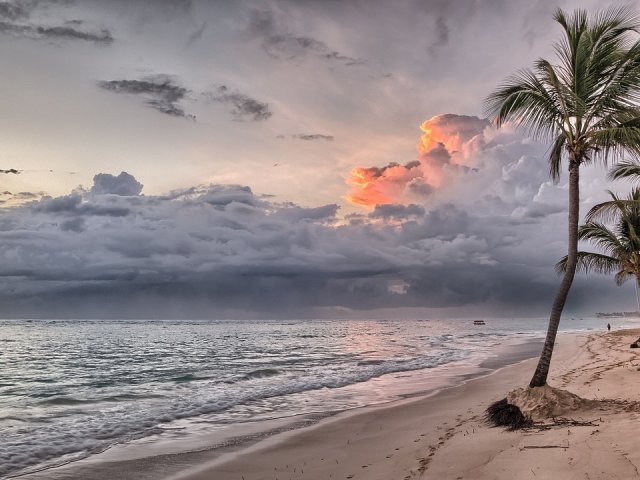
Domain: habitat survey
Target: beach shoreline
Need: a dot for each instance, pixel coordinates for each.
(440, 435)
(155, 459)
(444, 436)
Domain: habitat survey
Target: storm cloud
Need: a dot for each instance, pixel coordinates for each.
(212, 250)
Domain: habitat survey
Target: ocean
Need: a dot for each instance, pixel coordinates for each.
(70, 389)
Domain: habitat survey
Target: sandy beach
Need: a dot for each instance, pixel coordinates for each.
(444, 436)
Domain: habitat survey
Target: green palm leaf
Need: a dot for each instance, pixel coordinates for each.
(591, 262)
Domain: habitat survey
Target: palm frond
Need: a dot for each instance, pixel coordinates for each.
(616, 208)
(625, 169)
(600, 236)
(525, 100)
(591, 262)
(555, 157)
(621, 277)
(615, 143)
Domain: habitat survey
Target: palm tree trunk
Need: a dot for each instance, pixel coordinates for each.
(638, 296)
(542, 370)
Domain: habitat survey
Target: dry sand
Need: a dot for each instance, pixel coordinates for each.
(444, 436)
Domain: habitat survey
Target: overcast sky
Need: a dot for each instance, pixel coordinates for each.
(199, 159)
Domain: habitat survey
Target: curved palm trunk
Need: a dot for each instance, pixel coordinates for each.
(542, 370)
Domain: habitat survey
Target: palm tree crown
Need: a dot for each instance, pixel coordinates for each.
(620, 244)
(586, 107)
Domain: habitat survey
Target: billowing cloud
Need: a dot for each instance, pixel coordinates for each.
(160, 92)
(243, 106)
(379, 185)
(213, 250)
(123, 184)
(450, 145)
(397, 212)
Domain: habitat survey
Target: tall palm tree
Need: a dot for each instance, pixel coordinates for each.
(586, 106)
(621, 245)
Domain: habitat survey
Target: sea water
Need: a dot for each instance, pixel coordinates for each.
(72, 388)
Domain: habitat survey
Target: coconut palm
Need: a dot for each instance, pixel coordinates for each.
(586, 106)
(620, 244)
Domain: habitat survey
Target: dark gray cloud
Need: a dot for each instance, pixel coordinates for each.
(442, 35)
(196, 35)
(161, 92)
(309, 137)
(419, 187)
(70, 33)
(290, 47)
(397, 212)
(123, 184)
(164, 94)
(313, 136)
(16, 19)
(75, 204)
(243, 106)
(223, 195)
(76, 224)
(283, 45)
(13, 11)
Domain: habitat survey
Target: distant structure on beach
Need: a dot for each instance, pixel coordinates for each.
(617, 314)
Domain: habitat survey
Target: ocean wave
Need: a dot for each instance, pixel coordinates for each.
(90, 434)
(262, 373)
(125, 397)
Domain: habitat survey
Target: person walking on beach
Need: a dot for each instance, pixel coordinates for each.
(608, 327)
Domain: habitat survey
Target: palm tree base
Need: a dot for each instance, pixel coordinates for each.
(504, 414)
(523, 407)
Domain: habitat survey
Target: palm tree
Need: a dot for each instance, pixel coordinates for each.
(586, 106)
(620, 244)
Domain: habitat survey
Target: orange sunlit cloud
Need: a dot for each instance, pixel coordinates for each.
(447, 143)
(374, 186)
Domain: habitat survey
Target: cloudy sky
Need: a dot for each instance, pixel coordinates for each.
(304, 158)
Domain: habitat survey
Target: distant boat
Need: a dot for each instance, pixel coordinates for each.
(479, 322)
